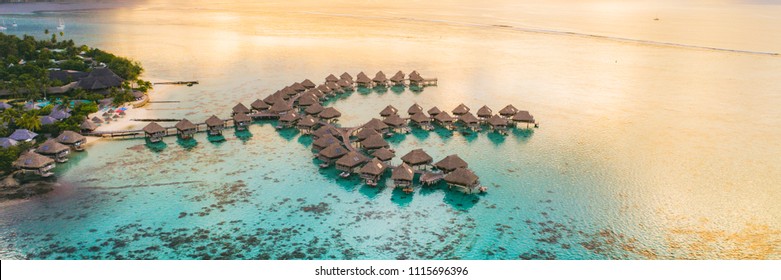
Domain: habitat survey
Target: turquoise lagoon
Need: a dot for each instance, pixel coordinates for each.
(641, 153)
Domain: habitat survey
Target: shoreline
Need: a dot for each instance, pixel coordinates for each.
(41, 7)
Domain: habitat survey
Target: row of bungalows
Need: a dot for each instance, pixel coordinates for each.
(215, 125)
(185, 129)
(469, 121)
(32, 162)
(396, 124)
(397, 79)
(44, 158)
(445, 120)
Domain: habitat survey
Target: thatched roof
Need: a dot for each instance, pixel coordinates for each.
(325, 141)
(59, 114)
(96, 120)
(308, 100)
(461, 109)
(434, 111)
(335, 150)
(272, 98)
(366, 133)
(297, 87)
(325, 130)
(333, 86)
(346, 76)
(373, 167)
(6, 142)
(70, 137)
(47, 120)
(185, 124)
(22, 135)
(415, 77)
(484, 112)
(153, 128)
(307, 121)
(417, 157)
(288, 91)
(384, 154)
(451, 162)
(375, 124)
(308, 84)
(32, 160)
(398, 77)
(374, 142)
(414, 109)
(330, 113)
(363, 79)
(351, 159)
(214, 121)
(280, 107)
(523, 116)
(240, 108)
(403, 172)
(289, 117)
(100, 78)
(51, 147)
(508, 111)
(496, 120)
(323, 88)
(331, 78)
(314, 109)
(344, 83)
(462, 177)
(468, 118)
(88, 125)
(389, 110)
(241, 117)
(316, 92)
(444, 117)
(420, 117)
(259, 105)
(394, 121)
(380, 77)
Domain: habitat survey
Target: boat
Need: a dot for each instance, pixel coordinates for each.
(2, 27)
(14, 24)
(344, 174)
(61, 26)
(324, 165)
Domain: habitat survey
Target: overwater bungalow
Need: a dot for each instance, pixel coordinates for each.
(330, 114)
(363, 80)
(463, 179)
(154, 132)
(72, 139)
(508, 111)
(215, 125)
(423, 121)
(306, 124)
(384, 154)
(460, 110)
(418, 159)
(331, 79)
(54, 150)
(335, 88)
(451, 163)
(88, 126)
(414, 109)
(288, 120)
(389, 110)
(258, 106)
(380, 79)
(307, 99)
(350, 163)
(331, 154)
(415, 78)
(523, 117)
(498, 124)
(377, 125)
(366, 133)
(280, 108)
(434, 111)
(396, 124)
(484, 113)
(240, 108)
(397, 79)
(272, 98)
(345, 84)
(402, 176)
(288, 91)
(308, 84)
(314, 109)
(346, 76)
(470, 121)
(324, 89)
(374, 142)
(445, 120)
(316, 92)
(241, 121)
(324, 130)
(371, 172)
(34, 163)
(297, 87)
(185, 129)
(323, 142)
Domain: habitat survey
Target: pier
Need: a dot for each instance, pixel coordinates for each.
(185, 83)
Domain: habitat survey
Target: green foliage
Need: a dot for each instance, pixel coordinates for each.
(10, 154)
(123, 67)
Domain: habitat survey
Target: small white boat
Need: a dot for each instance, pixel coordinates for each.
(61, 26)
(344, 174)
(2, 27)
(14, 24)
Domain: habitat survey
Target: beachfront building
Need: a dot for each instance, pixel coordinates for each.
(34, 163)
(350, 163)
(363, 80)
(402, 176)
(484, 113)
(374, 142)
(508, 111)
(306, 124)
(417, 159)
(323, 142)
(100, 79)
(88, 126)
(308, 84)
(377, 125)
(434, 111)
(463, 179)
(380, 79)
(185, 129)
(384, 154)
(288, 120)
(371, 172)
(154, 132)
(241, 121)
(240, 109)
(215, 125)
(451, 163)
(331, 154)
(258, 106)
(72, 139)
(470, 121)
(397, 79)
(396, 124)
(54, 150)
(460, 110)
(523, 117)
(414, 109)
(498, 124)
(314, 109)
(388, 111)
(6, 142)
(445, 120)
(330, 114)
(23, 135)
(423, 121)
(45, 120)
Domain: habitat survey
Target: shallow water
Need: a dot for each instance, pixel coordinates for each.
(645, 150)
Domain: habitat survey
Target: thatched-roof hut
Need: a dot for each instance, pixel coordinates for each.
(434, 111)
(460, 110)
(350, 162)
(374, 142)
(380, 78)
(241, 121)
(389, 110)
(464, 179)
(288, 92)
(335, 88)
(314, 109)
(366, 133)
(415, 78)
(308, 84)
(288, 120)
(445, 120)
(377, 125)
(23, 135)
(307, 99)
(346, 76)
(185, 129)
(470, 121)
(324, 89)
(384, 154)
(54, 150)
(297, 87)
(403, 175)
(484, 112)
(398, 78)
(451, 163)
(240, 108)
(345, 84)
(363, 80)
(97, 120)
(323, 142)
(372, 171)
(423, 121)
(215, 125)
(88, 126)
(272, 98)
(331, 79)
(523, 117)
(331, 153)
(259, 106)
(35, 163)
(280, 108)
(396, 123)
(100, 78)
(306, 124)
(330, 114)
(417, 158)
(414, 109)
(72, 139)
(324, 130)
(508, 111)
(498, 123)
(154, 132)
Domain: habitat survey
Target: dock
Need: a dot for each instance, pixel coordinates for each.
(186, 83)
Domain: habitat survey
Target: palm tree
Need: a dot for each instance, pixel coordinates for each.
(9, 115)
(29, 121)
